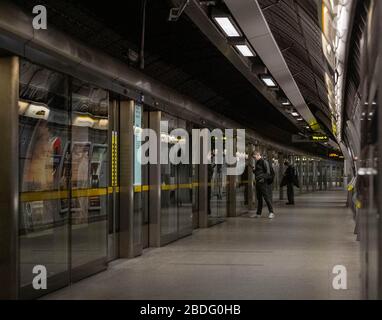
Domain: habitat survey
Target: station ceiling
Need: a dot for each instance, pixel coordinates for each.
(180, 56)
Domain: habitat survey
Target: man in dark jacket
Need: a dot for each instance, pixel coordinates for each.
(262, 191)
(289, 177)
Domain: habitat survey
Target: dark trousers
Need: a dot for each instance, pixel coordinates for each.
(290, 192)
(262, 191)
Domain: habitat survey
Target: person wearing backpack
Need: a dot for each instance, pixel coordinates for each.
(290, 179)
(263, 177)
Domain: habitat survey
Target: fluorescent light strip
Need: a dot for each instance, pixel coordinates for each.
(295, 114)
(227, 26)
(244, 50)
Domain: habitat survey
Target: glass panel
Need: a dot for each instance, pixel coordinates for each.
(217, 189)
(169, 214)
(184, 181)
(44, 137)
(242, 192)
(221, 190)
(89, 173)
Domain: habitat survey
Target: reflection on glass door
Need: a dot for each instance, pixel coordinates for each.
(176, 188)
(44, 181)
(89, 178)
(184, 184)
(169, 212)
(63, 178)
(217, 191)
(242, 185)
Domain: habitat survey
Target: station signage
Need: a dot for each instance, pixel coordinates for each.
(314, 138)
(335, 155)
(319, 138)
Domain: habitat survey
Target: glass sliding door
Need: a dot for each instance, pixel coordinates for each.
(89, 179)
(184, 184)
(169, 210)
(44, 135)
(64, 177)
(176, 186)
(217, 190)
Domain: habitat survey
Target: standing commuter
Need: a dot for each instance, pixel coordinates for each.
(263, 177)
(289, 177)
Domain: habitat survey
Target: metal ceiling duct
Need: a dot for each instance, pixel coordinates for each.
(251, 20)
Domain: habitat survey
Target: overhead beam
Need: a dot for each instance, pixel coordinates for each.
(251, 20)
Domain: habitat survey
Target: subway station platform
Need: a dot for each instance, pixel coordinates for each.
(291, 257)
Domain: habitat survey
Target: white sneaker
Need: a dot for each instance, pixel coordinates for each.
(271, 216)
(255, 215)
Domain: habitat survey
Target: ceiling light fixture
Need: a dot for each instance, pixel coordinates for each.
(245, 50)
(268, 81)
(286, 103)
(227, 25)
(295, 114)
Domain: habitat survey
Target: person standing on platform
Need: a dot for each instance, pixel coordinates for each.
(264, 177)
(289, 180)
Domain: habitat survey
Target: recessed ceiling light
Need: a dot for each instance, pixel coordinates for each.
(245, 50)
(295, 114)
(286, 103)
(300, 119)
(268, 80)
(226, 24)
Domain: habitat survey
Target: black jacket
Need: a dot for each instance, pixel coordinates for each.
(260, 171)
(289, 174)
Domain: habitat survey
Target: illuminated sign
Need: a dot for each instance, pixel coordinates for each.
(333, 155)
(114, 159)
(138, 114)
(319, 138)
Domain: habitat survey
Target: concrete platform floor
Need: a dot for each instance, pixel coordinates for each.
(291, 257)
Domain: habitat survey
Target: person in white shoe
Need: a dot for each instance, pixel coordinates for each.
(263, 176)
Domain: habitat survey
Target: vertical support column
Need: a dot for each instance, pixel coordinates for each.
(310, 174)
(330, 177)
(325, 176)
(281, 173)
(303, 173)
(203, 196)
(251, 187)
(314, 175)
(319, 175)
(231, 199)
(203, 187)
(300, 177)
(155, 185)
(126, 240)
(231, 191)
(269, 155)
(346, 173)
(307, 174)
(9, 173)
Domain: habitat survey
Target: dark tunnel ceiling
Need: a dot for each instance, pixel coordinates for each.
(296, 29)
(179, 55)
